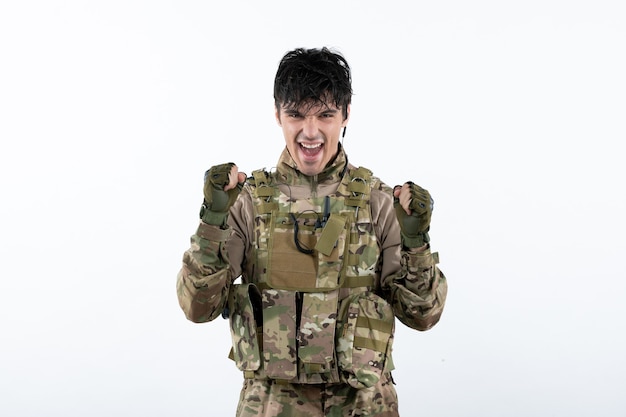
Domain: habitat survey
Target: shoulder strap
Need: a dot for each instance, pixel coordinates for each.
(359, 187)
(263, 191)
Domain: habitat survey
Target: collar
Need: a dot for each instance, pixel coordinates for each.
(288, 172)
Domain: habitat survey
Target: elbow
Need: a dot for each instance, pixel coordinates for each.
(200, 309)
(429, 323)
(420, 322)
(198, 305)
(199, 312)
(199, 316)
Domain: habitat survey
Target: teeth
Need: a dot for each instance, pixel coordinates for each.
(310, 145)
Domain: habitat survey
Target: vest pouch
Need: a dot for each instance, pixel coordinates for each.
(316, 335)
(244, 306)
(289, 268)
(279, 334)
(331, 249)
(364, 338)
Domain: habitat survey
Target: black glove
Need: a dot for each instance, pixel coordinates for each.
(414, 227)
(217, 202)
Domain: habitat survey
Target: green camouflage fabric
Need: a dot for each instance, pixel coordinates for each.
(366, 333)
(422, 295)
(204, 280)
(279, 334)
(265, 398)
(354, 251)
(243, 306)
(316, 336)
(339, 250)
(362, 275)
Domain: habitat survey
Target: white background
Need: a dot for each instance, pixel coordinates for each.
(510, 113)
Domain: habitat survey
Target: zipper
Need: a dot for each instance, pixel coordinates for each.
(314, 186)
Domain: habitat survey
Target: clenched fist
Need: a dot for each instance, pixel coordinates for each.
(414, 207)
(222, 185)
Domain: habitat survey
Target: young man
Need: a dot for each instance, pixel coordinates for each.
(328, 256)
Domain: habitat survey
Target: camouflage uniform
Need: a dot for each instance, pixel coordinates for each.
(312, 328)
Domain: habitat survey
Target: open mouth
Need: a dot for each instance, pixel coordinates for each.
(311, 149)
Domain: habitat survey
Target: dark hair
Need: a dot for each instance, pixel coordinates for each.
(315, 75)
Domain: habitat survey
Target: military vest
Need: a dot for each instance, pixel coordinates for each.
(309, 314)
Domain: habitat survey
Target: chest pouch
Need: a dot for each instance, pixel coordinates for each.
(304, 256)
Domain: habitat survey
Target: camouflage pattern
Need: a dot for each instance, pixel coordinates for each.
(316, 336)
(355, 250)
(336, 234)
(422, 295)
(204, 280)
(365, 339)
(279, 334)
(244, 317)
(339, 299)
(267, 398)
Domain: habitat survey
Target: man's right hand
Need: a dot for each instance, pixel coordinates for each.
(222, 185)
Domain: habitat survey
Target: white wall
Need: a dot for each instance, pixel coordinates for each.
(510, 113)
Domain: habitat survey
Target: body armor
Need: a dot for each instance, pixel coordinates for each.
(310, 313)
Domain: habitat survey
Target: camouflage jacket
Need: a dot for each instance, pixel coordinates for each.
(409, 280)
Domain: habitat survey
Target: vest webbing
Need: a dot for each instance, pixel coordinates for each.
(314, 272)
(355, 190)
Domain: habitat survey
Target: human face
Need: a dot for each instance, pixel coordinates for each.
(312, 133)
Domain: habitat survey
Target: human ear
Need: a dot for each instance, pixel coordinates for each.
(345, 121)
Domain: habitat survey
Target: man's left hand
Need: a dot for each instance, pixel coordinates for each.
(414, 207)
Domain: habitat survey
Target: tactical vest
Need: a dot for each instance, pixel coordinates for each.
(309, 314)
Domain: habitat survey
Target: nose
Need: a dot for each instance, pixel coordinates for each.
(310, 127)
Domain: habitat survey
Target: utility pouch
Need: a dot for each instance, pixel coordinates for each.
(244, 307)
(279, 334)
(316, 336)
(331, 249)
(364, 338)
(319, 270)
(285, 261)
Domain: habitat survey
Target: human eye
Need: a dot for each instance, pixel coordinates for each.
(293, 114)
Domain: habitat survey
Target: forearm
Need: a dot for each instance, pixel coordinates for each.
(205, 277)
(418, 291)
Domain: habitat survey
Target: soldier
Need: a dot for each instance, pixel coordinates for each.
(328, 257)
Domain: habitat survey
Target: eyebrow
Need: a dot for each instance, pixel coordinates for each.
(297, 112)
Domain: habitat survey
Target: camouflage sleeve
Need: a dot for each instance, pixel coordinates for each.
(418, 291)
(410, 279)
(205, 277)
